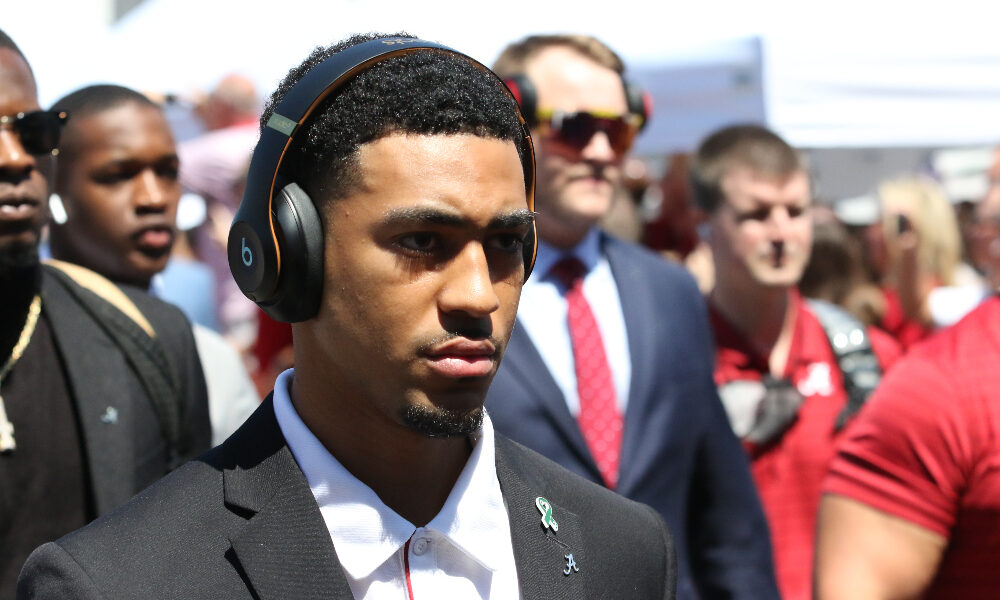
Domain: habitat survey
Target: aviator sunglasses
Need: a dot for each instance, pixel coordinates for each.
(38, 130)
(577, 129)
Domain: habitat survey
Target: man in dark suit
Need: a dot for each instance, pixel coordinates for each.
(118, 193)
(609, 371)
(373, 471)
(101, 392)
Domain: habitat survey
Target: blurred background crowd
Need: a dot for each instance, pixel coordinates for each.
(892, 109)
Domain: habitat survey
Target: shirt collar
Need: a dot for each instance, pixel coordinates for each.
(734, 352)
(474, 516)
(731, 347)
(366, 532)
(588, 251)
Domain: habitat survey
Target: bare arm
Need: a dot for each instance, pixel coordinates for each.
(866, 554)
(912, 284)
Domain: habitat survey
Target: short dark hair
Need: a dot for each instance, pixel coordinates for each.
(88, 101)
(427, 92)
(751, 146)
(99, 98)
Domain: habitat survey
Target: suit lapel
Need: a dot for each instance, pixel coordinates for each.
(94, 379)
(525, 362)
(638, 307)
(284, 550)
(541, 554)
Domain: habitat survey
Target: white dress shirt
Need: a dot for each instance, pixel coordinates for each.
(542, 313)
(464, 552)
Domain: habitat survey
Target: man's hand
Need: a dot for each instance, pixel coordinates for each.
(866, 554)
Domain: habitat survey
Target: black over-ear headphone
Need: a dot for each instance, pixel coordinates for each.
(640, 102)
(276, 240)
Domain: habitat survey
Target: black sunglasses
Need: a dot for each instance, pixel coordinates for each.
(38, 130)
(577, 129)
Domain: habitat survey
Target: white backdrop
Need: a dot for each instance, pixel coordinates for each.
(849, 73)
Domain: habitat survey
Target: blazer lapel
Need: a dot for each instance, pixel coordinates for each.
(524, 360)
(94, 379)
(543, 555)
(284, 550)
(638, 307)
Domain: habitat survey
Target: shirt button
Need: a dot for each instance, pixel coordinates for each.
(420, 546)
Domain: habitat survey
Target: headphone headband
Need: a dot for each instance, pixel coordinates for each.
(254, 247)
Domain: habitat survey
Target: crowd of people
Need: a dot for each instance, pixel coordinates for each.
(281, 337)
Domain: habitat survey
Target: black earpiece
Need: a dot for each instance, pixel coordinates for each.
(527, 98)
(640, 102)
(276, 242)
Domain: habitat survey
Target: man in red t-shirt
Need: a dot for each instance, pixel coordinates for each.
(912, 504)
(775, 366)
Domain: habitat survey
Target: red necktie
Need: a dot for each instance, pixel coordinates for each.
(599, 419)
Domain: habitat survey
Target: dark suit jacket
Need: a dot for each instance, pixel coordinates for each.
(679, 454)
(125, 446)
(241, 522)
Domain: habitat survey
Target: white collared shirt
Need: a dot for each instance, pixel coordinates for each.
(543, 308)
(464, 552)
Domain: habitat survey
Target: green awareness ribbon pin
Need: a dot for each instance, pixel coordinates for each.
(545, 508)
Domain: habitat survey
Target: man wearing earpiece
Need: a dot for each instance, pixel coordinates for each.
(80, 427)
(118, 189)
(609, 372)
(388, 216)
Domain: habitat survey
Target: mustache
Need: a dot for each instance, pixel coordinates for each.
(597, 171)
(778, 252)
(470, 332)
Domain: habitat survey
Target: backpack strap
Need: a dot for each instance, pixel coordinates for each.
(855, 356)
(107, 290)
(131, 331)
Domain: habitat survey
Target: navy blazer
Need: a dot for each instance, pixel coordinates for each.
(679, 454)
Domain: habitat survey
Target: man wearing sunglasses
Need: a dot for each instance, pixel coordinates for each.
(79, 433)
(610, 369)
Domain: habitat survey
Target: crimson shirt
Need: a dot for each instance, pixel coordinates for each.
(926, 448)
(789, 472)
(895, 322)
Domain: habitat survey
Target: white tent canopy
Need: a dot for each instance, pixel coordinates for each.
(911, 79)
(917, 91)
(819, 95)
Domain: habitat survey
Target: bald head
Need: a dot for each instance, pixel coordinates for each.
(233, 101)
(8, 43)
(15, 72)
(23, 187)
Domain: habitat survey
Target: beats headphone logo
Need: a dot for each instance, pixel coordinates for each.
(246, 253)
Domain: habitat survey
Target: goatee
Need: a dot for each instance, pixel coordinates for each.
(442, 422)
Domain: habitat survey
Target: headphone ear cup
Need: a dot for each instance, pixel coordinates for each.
(527, 98)
(640, 102)
(300, 237)
(530, 251)
(523, 91)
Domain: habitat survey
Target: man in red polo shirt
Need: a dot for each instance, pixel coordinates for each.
(912, 502)
(777, 371)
